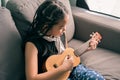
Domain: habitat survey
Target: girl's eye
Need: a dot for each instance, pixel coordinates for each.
(61, 27)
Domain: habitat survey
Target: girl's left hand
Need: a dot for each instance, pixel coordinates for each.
(95, 39)
(93, 44)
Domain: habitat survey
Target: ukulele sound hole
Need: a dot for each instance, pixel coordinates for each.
(55, 66)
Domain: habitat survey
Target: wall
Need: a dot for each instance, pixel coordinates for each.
(106, 6)
(0, 2)
(3, 2)
(73, 2)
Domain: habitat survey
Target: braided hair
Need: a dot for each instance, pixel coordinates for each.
(49, 13)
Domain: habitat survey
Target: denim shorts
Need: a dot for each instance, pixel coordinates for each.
(81, 72)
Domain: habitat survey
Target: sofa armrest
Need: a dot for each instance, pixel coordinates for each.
(87, 22)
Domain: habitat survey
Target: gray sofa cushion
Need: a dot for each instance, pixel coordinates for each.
(23, 12)
(11, 57)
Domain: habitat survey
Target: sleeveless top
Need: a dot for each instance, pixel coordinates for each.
(45, 49)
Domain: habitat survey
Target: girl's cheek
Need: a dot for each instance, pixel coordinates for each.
(61, 30)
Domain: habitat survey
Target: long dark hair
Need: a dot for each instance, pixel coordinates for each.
(49, 13)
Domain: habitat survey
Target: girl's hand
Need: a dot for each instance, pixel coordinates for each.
(93, 44)
(95, 39)
(68, 63)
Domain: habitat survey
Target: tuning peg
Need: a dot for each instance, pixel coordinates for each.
(91, 35)
(93, 32)
(99, 41)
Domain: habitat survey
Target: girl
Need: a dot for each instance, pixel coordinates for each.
(44, 40)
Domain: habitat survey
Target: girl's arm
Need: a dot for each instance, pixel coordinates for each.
(31, 65)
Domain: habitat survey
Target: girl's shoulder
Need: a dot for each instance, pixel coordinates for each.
(38, 42)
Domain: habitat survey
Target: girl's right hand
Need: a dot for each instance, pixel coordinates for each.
(68, 63)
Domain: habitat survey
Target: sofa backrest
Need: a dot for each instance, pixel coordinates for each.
(24, 10)
(11, 56)
(88, 21)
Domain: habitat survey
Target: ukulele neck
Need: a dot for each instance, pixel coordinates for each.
(83, 48)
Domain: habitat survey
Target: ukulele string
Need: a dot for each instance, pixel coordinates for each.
(79, 51)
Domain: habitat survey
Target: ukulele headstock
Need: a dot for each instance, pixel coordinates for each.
(96, 36)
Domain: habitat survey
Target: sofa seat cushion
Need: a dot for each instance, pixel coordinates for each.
(104, 61)
(11, 56)
(23, 12)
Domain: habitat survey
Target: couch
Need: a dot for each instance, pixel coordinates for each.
(16, 17)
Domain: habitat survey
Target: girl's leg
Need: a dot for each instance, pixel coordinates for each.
(83, 73)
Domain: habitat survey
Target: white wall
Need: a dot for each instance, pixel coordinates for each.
(73, 2)
(107, 6)
(3, 2)
(0, 2)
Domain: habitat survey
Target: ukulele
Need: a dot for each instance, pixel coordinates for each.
(55, 61)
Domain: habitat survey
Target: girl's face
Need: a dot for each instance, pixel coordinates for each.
(58, 29)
